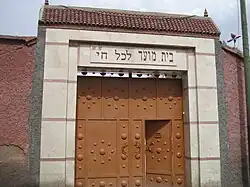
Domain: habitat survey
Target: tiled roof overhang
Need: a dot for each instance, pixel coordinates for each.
(127, 21)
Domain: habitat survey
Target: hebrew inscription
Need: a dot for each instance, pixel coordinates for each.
(132, 55)
(123, 56)
(147, 55)
(103, 55)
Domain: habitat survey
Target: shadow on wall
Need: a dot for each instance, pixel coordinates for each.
(243, 125)
(16, 174)
(13, 167)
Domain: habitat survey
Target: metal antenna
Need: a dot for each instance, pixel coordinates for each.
(234, 38)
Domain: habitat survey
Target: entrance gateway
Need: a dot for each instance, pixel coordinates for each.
(129, 132)
(114, 131)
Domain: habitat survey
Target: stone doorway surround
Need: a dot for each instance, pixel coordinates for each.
(62, 58)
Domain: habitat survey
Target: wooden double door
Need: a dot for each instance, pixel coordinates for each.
(129, 133)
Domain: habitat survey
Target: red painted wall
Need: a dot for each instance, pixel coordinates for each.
(17, 60)
(234, 80)
(16, 67)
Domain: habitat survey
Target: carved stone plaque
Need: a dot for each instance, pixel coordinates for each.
(132, 55)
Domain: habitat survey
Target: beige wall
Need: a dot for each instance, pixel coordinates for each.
(59, 100)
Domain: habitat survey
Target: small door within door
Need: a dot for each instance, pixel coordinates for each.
(158, 153)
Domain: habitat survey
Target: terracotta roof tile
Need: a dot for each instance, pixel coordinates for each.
(128, 20)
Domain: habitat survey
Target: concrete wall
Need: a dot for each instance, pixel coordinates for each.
(17, 64)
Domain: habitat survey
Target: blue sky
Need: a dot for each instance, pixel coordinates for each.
(19, 17)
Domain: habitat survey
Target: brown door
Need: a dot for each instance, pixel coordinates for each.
(158, 154)
(112, 114)
(164, 154)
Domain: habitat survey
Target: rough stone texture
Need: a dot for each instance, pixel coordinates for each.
(222, 107)
(35, 115)
(236, 118)
(17, 64)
